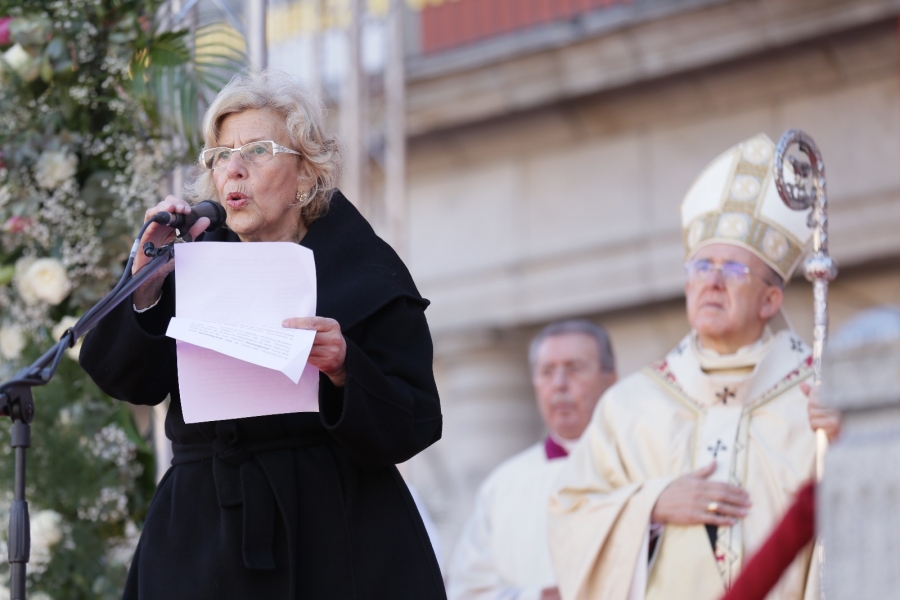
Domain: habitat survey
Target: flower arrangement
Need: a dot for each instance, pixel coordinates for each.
(84, 150)
(79, 161)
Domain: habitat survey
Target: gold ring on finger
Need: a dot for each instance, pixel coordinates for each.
(712, 507)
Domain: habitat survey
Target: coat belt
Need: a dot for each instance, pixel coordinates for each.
(240, 476)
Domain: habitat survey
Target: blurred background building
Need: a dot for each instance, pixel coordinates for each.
(528, 157)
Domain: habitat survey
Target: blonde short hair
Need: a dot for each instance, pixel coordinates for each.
(303, 115)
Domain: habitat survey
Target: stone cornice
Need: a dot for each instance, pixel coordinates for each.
(609, 277)
(568, 61)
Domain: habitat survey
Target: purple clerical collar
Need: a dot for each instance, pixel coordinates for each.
(553, 449)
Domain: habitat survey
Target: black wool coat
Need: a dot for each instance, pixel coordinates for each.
(294, 506)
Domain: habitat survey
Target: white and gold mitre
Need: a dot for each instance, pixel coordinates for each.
(734, 201)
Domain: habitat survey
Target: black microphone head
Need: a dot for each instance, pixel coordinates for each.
(213, 211)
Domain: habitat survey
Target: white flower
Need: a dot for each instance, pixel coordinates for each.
(53, 168)
(121, 551)
(110, 506)
(46, 530)
(18, 59)
(58, 331)
(22, 266)
(42, 279)
(23, 263)
(12, 341)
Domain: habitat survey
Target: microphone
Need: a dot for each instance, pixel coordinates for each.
(210, 209)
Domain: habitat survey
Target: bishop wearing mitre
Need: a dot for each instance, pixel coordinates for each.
(688, 464)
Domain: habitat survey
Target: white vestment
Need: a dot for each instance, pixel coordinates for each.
(502, 553)
(746, 412)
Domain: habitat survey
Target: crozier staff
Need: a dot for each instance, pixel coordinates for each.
(303, 505)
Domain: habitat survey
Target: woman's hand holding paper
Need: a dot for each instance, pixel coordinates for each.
(329, 349)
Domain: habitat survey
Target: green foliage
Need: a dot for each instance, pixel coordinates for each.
(215, 55)
(100, 102)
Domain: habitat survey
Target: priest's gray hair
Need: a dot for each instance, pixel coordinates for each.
(582, 326)
(304, 121)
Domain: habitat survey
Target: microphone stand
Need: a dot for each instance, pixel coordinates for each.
(17, 401)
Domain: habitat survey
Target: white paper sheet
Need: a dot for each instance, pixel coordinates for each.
(242, 284)
(278, 348)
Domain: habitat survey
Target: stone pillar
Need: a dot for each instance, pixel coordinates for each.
(257, 50)
(489, 414)
(354, 96)
(858, 501)
(395, 129)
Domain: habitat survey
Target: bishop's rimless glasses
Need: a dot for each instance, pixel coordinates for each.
(702, 270)
(253, 153)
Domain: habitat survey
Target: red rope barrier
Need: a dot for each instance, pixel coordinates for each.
(793, 533)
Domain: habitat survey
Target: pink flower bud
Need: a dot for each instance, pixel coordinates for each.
(4, 31)
(16, 224)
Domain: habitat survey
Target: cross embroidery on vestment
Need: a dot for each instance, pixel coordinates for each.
(725, 394)
(714, 450)
(796, 345)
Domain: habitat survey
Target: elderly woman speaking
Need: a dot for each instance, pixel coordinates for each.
(304, 505)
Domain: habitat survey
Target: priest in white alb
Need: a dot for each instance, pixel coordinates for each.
(688, 464)
(502, 553)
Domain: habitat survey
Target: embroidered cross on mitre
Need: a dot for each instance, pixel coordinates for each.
(796, 345)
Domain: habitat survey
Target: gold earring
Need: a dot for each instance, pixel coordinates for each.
(301, 198)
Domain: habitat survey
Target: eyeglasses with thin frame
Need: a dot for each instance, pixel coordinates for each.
(732, 271)
(570, 369)
(253, 153)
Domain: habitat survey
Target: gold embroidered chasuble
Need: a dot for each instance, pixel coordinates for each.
(746, 412)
